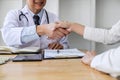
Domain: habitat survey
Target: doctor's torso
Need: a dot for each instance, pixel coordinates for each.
(18, 23)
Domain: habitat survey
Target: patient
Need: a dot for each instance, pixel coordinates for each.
(109, 61)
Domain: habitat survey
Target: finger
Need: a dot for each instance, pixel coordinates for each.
(85, 57)
(93, 53)
(69, 30)
(58, 34)
(84, 60)
(55, 35)
(62, 24)
(56, 46)
(52, 45)
(64, 31)
(57, 22)
(60, 47)
(49, 46)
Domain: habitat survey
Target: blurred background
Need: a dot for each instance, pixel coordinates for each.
(92, 13)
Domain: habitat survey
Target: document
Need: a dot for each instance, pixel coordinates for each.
(6, 49)
(64, 53)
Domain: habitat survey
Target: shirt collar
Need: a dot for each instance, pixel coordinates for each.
(26, 10)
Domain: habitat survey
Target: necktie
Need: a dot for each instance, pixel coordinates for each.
(36, 19)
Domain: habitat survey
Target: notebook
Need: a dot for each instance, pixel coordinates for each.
(3, 60)
(11, 50)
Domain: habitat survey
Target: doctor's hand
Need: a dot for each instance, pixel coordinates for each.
(51, 30)
(87, 59)
(46, 29)
(55, 45)
(64, 24)
(58, 33)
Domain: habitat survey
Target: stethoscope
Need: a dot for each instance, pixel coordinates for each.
(23, 15)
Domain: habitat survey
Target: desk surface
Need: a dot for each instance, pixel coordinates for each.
(60, 69)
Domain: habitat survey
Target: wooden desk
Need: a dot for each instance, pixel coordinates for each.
(62, 69)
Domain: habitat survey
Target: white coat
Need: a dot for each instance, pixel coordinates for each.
(109, 61)
(13, 28)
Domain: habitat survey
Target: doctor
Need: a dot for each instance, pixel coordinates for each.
(33, 26)
(108, 61)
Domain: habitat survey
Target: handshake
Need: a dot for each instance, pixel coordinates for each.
(55, 30)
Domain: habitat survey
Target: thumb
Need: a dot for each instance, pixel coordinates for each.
(69, 30)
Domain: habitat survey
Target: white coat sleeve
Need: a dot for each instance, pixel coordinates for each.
(12, 31)
(108, 62)
(103, 35)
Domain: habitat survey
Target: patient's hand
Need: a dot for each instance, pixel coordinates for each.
(64, 24)
(52, 31)
(58, 33)
(88, 57)
(55, 45)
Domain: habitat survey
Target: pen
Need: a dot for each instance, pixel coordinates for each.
(58, 51)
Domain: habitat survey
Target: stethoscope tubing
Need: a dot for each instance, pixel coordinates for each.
(21, 14)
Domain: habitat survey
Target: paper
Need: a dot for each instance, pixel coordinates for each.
(26, 49)
(6, 49)
(64, 53)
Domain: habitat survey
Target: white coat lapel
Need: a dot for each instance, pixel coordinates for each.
(28, 15)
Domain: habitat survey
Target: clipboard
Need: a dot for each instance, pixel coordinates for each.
(63, 54)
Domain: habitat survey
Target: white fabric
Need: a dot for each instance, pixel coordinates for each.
(13, 28)
(102, 35)
(108, 61)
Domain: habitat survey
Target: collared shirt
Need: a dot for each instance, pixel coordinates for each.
(22, 33)
(26, 36)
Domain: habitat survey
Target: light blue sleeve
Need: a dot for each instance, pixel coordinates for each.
(29, 34)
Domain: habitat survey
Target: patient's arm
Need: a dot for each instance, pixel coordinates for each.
(88, 57)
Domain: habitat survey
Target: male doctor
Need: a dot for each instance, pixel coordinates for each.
(33, 26)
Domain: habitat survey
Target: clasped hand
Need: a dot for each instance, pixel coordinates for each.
(52, 30)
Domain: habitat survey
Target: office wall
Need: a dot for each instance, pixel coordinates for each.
(107, 14)
(77, 11)
(5, 6)
(53, 6)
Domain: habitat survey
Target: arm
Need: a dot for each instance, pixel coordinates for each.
(14, 34)
(107, 62)
(11, 32)
(105, 36)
